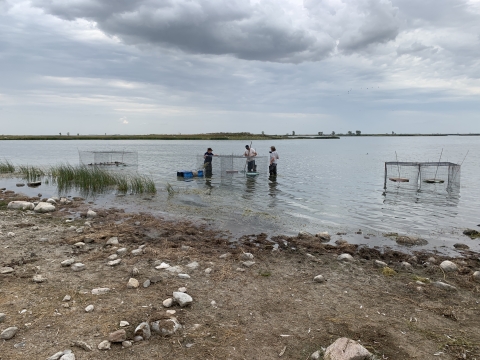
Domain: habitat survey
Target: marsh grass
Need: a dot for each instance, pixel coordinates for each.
(91, 180)
(31, 173)
(6, 167)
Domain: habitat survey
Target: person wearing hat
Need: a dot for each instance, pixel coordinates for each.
(207, 163)
(273, 161)
(250, 153)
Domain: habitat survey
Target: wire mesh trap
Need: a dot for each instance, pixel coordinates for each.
(232, 165)
(421, 175)
(109, 158)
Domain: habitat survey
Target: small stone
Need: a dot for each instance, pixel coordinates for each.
(39, 279)
(345, 257)
(193, 265)
(185, 247)
(137, 338)
(224, 256)
(83, 345)
(79, 230)
(67, 298)
(405, 265)
(43, 239)
(112, 241)
(89, 308)
(174, 269)
(432, 260)
(319, 279)
(182, 299)
(10, 234)
(68, 356)
(182, 289)
(411, 241)
(143, 330)
(104, 345)
(8, 333)
(162, 266)
(146, 283)
(117, 336)
(100, 291)
(56, 356)
(124, 323)
(476, 277)
(341, 242)
(44, 207)
(184, 276)
(315, 355)
(20, 205)
(461, 246)
(346, 349)
(121, 251)
(166, 327)
(135, 271)
(78, 267)
(248, 263)
(113, 257)
(68, 221)
(208, 271)
(91, 214)
(132, 283)
(137, 252)
(240, 269)
(167, 302)
(380, 264)
(79, 244)
(72, 228)
(448, 266)
(170, 312)
(247, 256)
(67, 262)
(6, 270)
(444, 286)
(114, 262)
(156, 279)
(51, 201)
(323, 236)
(88, 224)
(126, 344)
(2, 317)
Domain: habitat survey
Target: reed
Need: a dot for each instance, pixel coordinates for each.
(6, 167)
(31, 173)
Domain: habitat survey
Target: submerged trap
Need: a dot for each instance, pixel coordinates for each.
(109, 158)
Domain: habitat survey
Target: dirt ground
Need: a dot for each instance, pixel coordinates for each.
(273, 307)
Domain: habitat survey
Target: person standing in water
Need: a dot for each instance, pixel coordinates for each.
(273, 161)
(207, 162)
(250, 153)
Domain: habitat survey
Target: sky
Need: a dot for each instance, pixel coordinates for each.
(204, 66)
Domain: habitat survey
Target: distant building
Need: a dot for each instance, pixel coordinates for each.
(293, 133)
(263, 132)
(320, 133)
(333, 133)
(358, 132)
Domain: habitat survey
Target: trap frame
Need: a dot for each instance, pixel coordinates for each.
(109, 158)
(423, 175)
(233, 165)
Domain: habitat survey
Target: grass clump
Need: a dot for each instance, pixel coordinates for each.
(31, 173)
(386, 271)
(6, 167)
(422, 279)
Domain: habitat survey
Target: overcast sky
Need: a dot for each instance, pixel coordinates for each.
(189, 66)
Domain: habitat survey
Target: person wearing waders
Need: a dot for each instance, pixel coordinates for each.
(273, 161)
(207, 162)
(250, 153)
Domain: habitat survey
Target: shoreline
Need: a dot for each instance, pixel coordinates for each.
(253, 297)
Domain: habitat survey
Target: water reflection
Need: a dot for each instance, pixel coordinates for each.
(250, 185)
(273, 191)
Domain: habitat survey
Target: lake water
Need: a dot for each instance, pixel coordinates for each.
(322, 185)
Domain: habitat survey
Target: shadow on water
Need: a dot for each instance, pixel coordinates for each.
(250, 186)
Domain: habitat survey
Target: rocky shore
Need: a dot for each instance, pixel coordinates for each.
(85, 283)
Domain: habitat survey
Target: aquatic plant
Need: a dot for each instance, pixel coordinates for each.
(170, 189)
(31, 173)
(6, 167)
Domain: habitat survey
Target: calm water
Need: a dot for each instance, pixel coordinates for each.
(323, 185)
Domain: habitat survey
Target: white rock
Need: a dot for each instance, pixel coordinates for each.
(43, 239)
(100, 291)
(247, 256)
(182, 299)
(248, 263)
(10, 234)
(184, 276)
(121, 251)
(162, 266)
(325, 236)
(44, 207)
(448, 266)
(79, 244)
(56, 356)
(67, 262)
(146, 283)
(346, 349)
(91, 214)
(69, 221)
(79, 230)
(114, 262)
(112, 241)
(89, 308)
(55, 198)
(88, 224)
(124, 323)
(315, 355)
(167, 302)
(345, 257)
(193, 265)
(68, 356)
(444, 286)
(170, 312)
(72, 228)
(380, 264)
(182, 289)
(104, 345)
(137, 252)
(126, 344)
(319, 279)
(8, 333)
(432, 260)
(132, 283)
(143, 330)
(135, 271)
(406, 265)
(166, 327)
(2, 317)
(476, 276)
(174, 269)
(6, 270)
(208, 271)
(67, 298)
(20, 205)
(224, 256)
(113, 257)
(39, 279)
(51, 201)
(78, 267)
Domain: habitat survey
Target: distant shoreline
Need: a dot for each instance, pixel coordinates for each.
(217, 136)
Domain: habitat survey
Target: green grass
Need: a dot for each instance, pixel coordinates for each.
(31, 173)
(6, 167)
